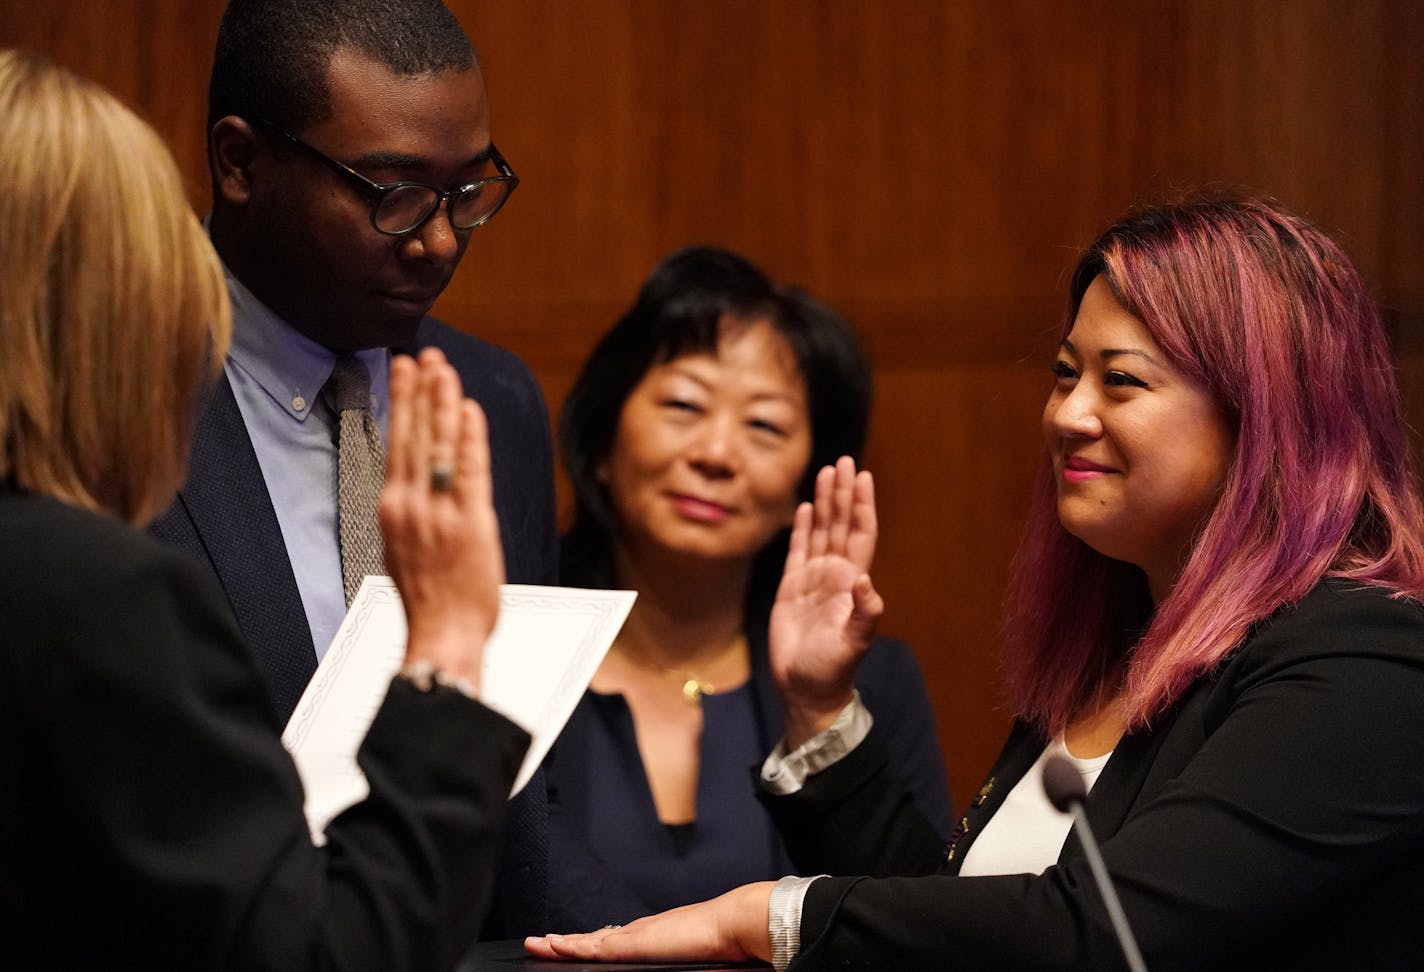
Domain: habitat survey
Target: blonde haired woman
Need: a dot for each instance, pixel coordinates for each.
(150, 817)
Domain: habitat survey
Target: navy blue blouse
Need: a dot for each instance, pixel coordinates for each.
(614, 860)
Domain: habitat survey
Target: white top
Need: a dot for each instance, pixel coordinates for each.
(1026, 834)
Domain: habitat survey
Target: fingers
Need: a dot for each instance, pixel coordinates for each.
(472, 458)
(731, 927)
(474, 486)
(842, 491)
(821, 519)
(799, 548)
(437, 453)
(866, 603)
(569, 946)
(418, 446)
(843, 522)
(540, 946)
(404, 381)
(864, 523)
(430, 424)
(589, 945)
(446, 412)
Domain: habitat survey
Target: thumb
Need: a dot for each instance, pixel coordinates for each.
(866, 606)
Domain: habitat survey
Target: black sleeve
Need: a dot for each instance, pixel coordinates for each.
(893, 688)
(522, 469)
(165, 818)
(856, 817)
(884, 809)
(1289, 836)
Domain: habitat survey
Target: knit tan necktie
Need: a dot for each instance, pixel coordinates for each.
(360, 472)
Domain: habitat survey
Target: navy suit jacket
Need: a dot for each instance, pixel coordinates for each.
(224, 517)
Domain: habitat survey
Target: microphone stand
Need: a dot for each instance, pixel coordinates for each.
(1066, 792)
(1105, 887)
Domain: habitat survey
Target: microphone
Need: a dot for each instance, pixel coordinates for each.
(1063, 785)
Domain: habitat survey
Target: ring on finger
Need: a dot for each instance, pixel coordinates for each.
(442, 476)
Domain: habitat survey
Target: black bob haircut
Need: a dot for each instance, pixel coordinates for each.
(682, 309)
(272, 55)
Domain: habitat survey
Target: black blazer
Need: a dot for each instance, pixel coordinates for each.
(1273, 819)
(224, 517)
(150, 817)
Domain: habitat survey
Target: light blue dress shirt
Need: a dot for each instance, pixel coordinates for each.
(277, 375)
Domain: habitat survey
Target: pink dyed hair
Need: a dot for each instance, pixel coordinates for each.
(1267, 312)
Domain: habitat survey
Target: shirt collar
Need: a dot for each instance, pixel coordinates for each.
(289, 366)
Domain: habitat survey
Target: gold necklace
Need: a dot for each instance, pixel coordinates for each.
(694, 686)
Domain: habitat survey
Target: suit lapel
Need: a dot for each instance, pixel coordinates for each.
(1019, 753)
(1120, 785)
(226, 498)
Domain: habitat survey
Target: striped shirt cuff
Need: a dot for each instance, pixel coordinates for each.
(783, 919)
(785, 773)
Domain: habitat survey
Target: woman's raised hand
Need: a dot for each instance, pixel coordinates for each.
(729, 928)
(437, 516)
(826, 608)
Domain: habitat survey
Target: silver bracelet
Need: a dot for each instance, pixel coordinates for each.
(426, 678)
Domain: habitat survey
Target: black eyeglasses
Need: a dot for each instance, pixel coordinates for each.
(399, 207)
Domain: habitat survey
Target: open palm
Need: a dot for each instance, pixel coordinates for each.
(826, 607)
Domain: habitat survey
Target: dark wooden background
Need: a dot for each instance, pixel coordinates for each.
(930, 167)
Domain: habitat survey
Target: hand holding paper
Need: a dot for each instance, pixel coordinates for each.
(537, 663)
(441, 602)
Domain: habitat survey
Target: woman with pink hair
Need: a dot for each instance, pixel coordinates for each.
(1215, 618)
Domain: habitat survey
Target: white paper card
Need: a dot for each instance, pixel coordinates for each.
(545, 647)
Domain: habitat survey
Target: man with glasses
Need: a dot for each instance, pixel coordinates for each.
(350, 150)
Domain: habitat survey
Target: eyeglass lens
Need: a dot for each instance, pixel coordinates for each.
(406, 207)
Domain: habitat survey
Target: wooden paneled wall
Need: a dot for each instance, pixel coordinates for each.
(930, 167)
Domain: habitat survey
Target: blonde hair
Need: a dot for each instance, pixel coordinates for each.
(113, 307)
